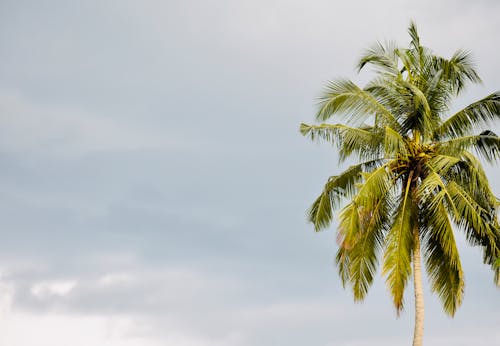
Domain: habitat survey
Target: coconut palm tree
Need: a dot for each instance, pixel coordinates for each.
(418, 180)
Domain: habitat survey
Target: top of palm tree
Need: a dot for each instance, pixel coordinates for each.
(418, 175)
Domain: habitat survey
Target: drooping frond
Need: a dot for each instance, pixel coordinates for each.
(440, 251)
(363, 253)
(472, 117)
(467, 195)
(362, 225)
(348, 233)
(376, 184)
(365, 141)
(374, 187)
(355, 104)
(478, 206)
(470, 175)
(491, 254)
(432, 191)
(441, 163)
(398, 245)
(442, 258)
(336, 189)
(477, 222)
(486, 144)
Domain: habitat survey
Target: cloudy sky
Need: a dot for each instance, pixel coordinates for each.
(154, 184)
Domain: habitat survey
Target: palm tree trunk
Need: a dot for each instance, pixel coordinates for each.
(419, 293)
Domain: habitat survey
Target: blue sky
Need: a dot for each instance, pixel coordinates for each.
(154, 184)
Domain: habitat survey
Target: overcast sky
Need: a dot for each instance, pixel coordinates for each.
(154, 185)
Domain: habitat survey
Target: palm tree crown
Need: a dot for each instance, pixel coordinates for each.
(419, 176)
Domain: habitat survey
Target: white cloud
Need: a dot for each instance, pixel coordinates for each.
(47, 289)
(21, 325)
(24, 329)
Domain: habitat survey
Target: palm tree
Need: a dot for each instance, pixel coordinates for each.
(419, 178)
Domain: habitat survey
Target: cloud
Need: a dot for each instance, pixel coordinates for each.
(46, 289)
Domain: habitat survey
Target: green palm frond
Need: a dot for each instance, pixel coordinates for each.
(342, 260)
(382, 57)
(437, 91)
(470, 175)
(363, 253)
(432, 189)
(459, 70)
(355, 104)
(361, 229)
(376, 184)
(398, 245)
(364, 141)
(477, 218)
(442, 163)
(393, 96)
(477, 222)
(474, 116)
(486, 144)
(394, 144)
(348, 233)
(442, 258)
(336, 189)
(415, 39)
(406, 61)
(420, 118)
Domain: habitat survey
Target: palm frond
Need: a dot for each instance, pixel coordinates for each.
(337, 188)
(442, 163)
(421, 118)
(472, 117)
(363, 255)
(382, 57)
(470, 175)
(398, 245)
(415, 39)
(437, 92)
(475, 220)
(442, 259)
(458, 70)
(361, 229)
(388, 92)
(354, 103)
(394, 143)
(376, 184)
(486, 144)
(364, 141)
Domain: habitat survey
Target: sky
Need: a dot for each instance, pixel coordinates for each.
(154, 184)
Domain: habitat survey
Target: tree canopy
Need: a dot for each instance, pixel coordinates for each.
(419, 177)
